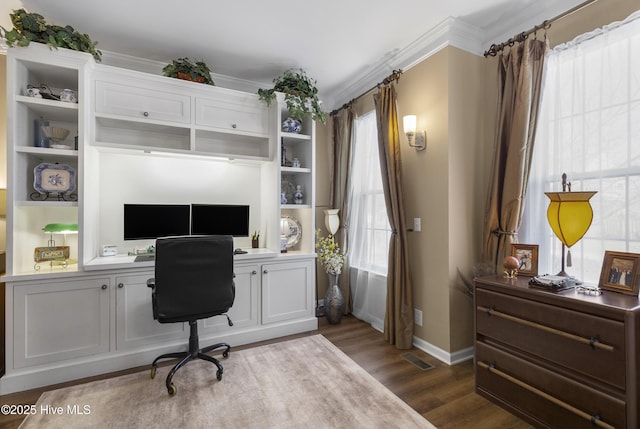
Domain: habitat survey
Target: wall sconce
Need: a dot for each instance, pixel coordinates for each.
(409, 125)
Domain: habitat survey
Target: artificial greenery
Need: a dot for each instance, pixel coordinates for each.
(32, 27)
(184, 68)
(329, 253)
(300, 94)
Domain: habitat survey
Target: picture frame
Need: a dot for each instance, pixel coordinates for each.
(527, 254)
(620, 272)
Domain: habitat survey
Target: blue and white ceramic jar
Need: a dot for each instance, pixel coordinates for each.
(298, 196)
(291, 125)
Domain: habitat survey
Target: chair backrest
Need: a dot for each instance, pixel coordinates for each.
(193, 277)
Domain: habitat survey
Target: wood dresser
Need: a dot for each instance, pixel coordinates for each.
(558, 360)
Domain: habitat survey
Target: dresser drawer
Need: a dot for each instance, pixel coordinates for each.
(556, 401)
(588, 344)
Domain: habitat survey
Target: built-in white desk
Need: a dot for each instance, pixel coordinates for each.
(67, 324)
(128, 261)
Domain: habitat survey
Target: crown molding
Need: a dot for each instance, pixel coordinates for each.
(155, 67)
(450, 32)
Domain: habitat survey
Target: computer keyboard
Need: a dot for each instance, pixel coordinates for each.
(145, 258)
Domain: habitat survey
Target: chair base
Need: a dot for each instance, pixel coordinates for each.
(194, 353)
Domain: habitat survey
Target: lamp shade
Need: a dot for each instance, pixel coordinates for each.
(570, 215)
(409, 124)
(61, 228)
(331, 220)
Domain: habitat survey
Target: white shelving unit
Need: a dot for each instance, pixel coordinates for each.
(142, 139)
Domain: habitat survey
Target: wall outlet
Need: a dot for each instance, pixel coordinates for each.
(417, 224)
(417, 317)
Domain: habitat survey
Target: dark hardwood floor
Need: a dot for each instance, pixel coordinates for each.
(444, 395)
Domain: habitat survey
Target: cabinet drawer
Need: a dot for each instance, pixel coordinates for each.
(556, 401)
(237, 113)
(591, 345)
(141, 103)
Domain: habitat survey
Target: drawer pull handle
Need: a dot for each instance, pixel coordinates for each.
(593, 342)
(145, 114)
(594, 419)
(234, 126)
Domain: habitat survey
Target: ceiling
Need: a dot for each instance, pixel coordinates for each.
(345, 45)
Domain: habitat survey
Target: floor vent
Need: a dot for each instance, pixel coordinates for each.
(417, 361)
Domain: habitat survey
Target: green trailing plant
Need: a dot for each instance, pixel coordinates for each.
(186, 69)
(300, 94)
(32, 27)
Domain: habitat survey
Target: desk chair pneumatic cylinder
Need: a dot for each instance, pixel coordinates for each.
(193, 281)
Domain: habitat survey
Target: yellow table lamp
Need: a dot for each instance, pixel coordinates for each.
(570, 215)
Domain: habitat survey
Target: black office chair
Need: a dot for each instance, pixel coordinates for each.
(193, 280)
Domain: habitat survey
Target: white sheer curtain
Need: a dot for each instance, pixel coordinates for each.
(369, 229)
(590, 129)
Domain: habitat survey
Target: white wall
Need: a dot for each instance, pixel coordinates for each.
(155, 179)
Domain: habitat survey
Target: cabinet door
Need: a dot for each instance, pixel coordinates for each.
(141, 103)
(135, 325)
(238, 113)
(287, 291)
(56, 321)
(245, 306)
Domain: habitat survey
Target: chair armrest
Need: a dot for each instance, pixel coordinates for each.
(151, 283)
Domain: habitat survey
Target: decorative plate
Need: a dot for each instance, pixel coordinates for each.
(295, 231)
(54, 178)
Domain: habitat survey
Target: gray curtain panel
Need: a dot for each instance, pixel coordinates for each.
(519, 84)
(339, 170)
(398, 322)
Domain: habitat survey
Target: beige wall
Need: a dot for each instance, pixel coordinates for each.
(453, 94)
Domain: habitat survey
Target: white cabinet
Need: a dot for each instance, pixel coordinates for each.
(59, 320)
(287, 291)
(134, 101)
(244, 312)
(301, 148)
(28, 210)
(238, 113)
(135, 325)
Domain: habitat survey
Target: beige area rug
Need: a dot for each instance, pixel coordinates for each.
(302, 383)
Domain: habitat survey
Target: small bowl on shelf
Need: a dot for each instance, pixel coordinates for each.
(55, 134)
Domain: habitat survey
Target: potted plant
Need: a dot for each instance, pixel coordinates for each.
(186, 69)
(32, 27)
(300, 94)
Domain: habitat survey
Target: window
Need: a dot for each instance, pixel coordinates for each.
(369, 230)
(589, 128)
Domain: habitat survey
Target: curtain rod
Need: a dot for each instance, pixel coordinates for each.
(395, 75)
(519, 38)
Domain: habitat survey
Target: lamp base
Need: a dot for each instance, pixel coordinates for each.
(570, 279)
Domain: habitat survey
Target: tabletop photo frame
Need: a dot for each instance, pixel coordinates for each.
(527, 254)
(620, 272)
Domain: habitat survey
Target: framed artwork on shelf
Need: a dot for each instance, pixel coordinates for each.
(620, 272)
(527, 254)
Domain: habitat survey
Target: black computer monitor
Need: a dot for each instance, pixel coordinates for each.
(220, 219)
(150, 221)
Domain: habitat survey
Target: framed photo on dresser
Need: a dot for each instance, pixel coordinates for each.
(527, 254)
(620, 272)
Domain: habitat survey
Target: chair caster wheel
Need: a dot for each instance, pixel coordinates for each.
(225, 354)
(219, 375)
(172, 390)
(153, 372)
